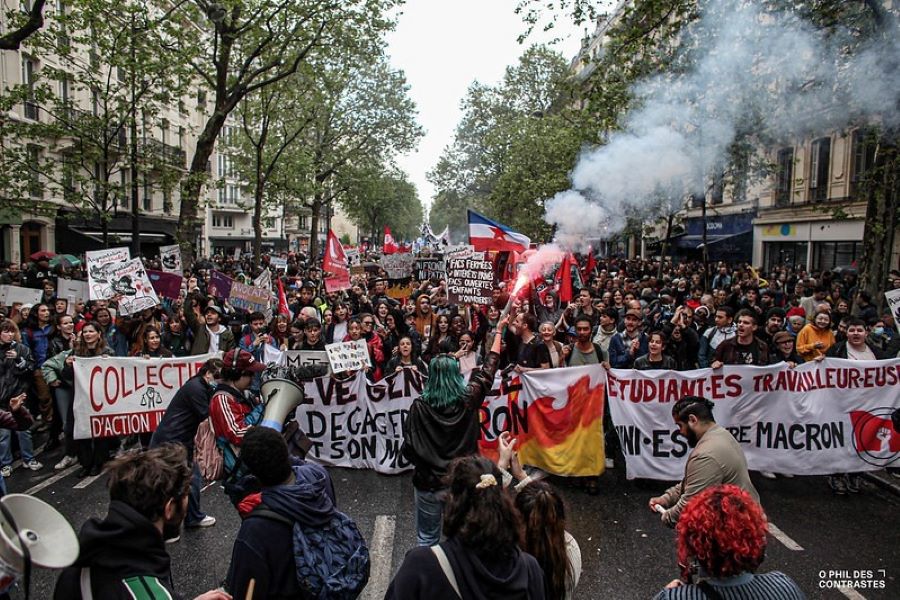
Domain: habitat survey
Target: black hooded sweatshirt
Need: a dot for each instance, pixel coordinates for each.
(516, 576)
(437, 435)
(125, 552)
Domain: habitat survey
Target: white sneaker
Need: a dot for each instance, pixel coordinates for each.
(767, 474)
(173, 540)
(65, 463)
(33, 465)
(6, 471)
(207, 521)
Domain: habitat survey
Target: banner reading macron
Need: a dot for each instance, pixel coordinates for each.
(123, 396)
(819, 418)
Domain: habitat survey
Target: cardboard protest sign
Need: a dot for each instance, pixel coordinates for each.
(131, 283)
(278, 263)
(167, 285)
(399, 265)
(819, 418)
(100, 266)
(470, 279)
(249, 298)
(352, 256)
(73, 290)
(124, 396)
(431, 267)
(170, 259)
(893, 302)
(294, 358)
(219, 285)
(10, 294)
(348, 356)
(400, 292)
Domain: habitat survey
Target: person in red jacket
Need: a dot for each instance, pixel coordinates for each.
(232, 413)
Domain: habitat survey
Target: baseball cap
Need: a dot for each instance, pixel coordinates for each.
(633, 312)
(213, 308)
(242, 360)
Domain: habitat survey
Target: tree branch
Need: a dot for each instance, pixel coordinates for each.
(14, 39)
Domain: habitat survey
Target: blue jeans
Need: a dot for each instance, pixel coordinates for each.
(429, 506)
(194, 514)
(25, 446)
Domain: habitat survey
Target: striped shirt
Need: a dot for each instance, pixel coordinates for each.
(768, 586)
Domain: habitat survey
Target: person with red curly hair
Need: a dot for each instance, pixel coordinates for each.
(721, 544)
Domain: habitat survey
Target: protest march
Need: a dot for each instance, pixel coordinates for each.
(566, 367)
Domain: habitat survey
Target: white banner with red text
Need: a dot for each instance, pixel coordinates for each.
(123, 396)
(555, 415)
(819, 418)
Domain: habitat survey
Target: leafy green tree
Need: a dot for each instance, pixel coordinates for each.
(90, 112)
(377, 198)
(513, 147)
(23, 25)
(252, 44)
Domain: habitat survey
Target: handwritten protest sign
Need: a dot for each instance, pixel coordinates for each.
(101, 265)
(248, 297)
(893, 301)
(352, 256)
(124, 396)
(170, 259)
(167, 285)
(431, 267)
(219, 285)
(398, 265)
(348, 356)
(470, 279)
(132, 285)
(278, 263)
(294, 358)
(11, 294)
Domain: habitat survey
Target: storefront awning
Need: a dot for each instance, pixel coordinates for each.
(694, 242)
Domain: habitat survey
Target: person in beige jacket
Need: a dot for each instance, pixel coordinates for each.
(716, 459)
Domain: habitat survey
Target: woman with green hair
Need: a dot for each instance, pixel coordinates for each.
(443, 425)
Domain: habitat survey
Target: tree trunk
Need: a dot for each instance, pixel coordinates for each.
(882, 219)
(314, 227)
(192, 185)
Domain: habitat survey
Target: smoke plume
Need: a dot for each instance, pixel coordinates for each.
(742, 70)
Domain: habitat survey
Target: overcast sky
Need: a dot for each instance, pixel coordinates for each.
(443, 47)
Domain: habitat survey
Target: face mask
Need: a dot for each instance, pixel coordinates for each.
(878, 331)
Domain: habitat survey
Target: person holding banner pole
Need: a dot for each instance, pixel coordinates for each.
(443, 425)
(716, 459)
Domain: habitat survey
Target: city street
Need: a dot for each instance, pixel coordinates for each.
(626, 552)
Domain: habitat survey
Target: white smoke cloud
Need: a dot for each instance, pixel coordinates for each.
(769, 72)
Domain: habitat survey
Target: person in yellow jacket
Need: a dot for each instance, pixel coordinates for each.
(815, 338)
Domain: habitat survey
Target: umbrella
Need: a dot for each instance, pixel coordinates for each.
(66, 260)
(42, 255)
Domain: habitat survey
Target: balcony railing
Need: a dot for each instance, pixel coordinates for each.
(167, 153)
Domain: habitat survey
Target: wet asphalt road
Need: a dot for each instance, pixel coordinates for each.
(626, 552)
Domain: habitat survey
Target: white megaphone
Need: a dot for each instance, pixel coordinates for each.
(39, 530)
(281, 397)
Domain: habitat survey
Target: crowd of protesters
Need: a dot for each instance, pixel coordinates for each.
(626, 314)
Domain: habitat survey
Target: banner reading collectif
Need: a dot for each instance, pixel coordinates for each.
(123, 396)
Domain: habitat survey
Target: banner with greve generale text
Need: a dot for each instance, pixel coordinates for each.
(819, 418)
(556, 416)
(123, 396)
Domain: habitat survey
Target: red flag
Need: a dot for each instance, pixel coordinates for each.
(282, 300)
(590, 266)
(564, 280)
(389, 246)
(335, 265)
